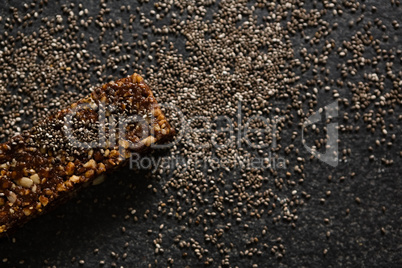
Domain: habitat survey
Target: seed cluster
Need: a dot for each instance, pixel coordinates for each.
(238, 80)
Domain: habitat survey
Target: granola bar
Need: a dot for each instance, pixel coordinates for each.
(76, 146)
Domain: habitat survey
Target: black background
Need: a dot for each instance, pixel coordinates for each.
(94, 219)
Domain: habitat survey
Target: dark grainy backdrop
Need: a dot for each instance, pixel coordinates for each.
(354, 215)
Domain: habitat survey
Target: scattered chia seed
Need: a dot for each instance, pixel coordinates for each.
(269, 59)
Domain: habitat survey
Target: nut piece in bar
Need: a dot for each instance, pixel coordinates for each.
(44, 166)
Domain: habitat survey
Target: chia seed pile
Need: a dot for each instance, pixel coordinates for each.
(220, 68)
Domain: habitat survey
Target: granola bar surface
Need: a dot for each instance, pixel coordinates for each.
(42, 167)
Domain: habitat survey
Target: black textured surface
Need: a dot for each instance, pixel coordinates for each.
(73, 231)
